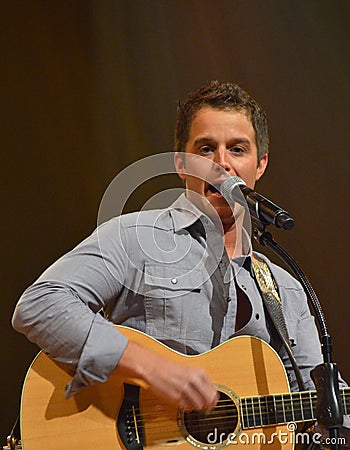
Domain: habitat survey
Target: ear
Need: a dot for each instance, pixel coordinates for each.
(180, 165)
(261, 167)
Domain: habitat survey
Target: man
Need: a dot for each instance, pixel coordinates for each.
(183, 275)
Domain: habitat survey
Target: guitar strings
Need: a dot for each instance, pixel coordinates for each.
(257, 403)
(262, 408)
(255, 410)
(220, 404)
(201, 425)
(229, 414)
(214, 417)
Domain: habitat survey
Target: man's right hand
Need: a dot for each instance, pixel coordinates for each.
(178, 385)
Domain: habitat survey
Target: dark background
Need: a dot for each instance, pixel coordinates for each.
(90, 86)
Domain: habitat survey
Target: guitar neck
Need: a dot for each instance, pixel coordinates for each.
(284, 408)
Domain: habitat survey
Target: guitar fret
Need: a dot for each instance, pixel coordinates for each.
(264, 412)
(297, 406)
(241, 413)
(313, 400)
(345, 409)
(307, 408)
(251, 422)
(244, 412)
(266, 421)
(256, 411)
(271, 412)
(301, 406)
(247, 412)
(283, 408)
(287, 406)
(292, 404)
(251, 415)
(280, 416)
(260, 413)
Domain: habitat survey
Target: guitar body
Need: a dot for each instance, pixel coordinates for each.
(241, 367)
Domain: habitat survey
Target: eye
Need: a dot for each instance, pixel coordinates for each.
(205, 150)
(237, 150)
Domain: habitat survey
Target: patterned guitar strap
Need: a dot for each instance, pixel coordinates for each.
(273, 306)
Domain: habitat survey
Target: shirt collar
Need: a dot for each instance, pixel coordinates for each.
(184, 213)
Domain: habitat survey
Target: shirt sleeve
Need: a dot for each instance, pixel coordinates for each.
(60, 312)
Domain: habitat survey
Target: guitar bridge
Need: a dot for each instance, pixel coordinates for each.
(129, 422)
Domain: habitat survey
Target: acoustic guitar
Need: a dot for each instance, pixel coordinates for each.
(255, 408)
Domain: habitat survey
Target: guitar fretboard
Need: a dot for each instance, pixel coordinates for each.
(284, 408)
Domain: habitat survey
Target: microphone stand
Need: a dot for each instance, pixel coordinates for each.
(329, 411)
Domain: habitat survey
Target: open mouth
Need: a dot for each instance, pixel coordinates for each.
(214, 188)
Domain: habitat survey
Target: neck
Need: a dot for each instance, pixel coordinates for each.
(233, 239)
(230, 226)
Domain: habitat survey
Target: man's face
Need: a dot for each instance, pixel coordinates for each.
(226, 140)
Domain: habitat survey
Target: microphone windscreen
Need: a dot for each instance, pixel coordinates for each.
(229, 185)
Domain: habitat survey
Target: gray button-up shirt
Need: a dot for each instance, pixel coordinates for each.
(166, 273)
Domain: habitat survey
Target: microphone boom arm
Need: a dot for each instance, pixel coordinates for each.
(329, 411)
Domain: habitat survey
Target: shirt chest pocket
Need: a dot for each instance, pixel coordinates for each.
(175, 308)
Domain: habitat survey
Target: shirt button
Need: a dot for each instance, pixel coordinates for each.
(257, 316)
(174, 280)
(228, 299)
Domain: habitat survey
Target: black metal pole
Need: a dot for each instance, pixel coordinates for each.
(329, 412)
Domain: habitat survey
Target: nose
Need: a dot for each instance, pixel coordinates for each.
(222, 159)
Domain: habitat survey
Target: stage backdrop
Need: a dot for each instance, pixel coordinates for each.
(90, 86)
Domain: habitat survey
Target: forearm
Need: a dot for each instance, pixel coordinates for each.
(178, 385)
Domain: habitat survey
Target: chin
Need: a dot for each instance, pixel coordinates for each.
(224, 213)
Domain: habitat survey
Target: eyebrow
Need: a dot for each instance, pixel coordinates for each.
(210, 140)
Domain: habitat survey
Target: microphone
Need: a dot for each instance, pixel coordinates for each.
(260, 208)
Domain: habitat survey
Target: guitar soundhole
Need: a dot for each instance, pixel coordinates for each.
(215, 428)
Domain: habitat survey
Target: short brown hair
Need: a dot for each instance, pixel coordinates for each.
(221, 95)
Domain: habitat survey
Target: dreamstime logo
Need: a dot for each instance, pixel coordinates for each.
(144, 236)
(284, 437)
